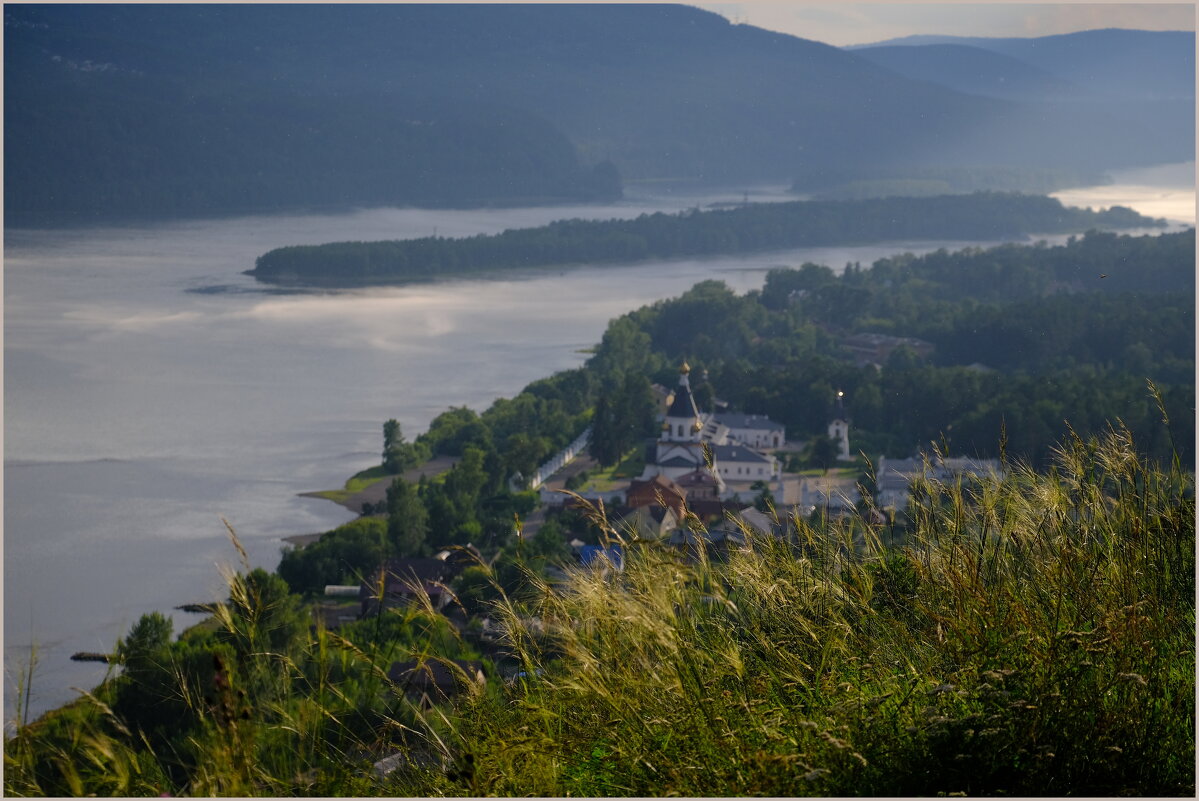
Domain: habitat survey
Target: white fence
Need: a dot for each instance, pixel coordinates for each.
(561, 459)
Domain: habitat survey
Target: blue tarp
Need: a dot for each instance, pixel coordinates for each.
(588, 554)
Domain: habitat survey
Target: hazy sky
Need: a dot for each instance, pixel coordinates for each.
(862, 23)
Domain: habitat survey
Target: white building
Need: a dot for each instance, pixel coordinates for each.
(686, 434)
(754, 430)
(739, 463)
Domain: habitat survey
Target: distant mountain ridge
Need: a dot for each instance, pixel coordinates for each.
(1111, 63)
(127, 110)
(972, 70)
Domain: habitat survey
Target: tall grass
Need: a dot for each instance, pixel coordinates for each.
(1035, 636)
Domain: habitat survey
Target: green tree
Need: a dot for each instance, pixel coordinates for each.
(268, 616)
(407, 519)
(522, 453)
(392, 438)
(474, 589)
(549, 542)
(147, 693)
(623, 416)
(605, 445)
(149, 637)
(764, 500)
(466, 480)
(342, 555)
(399, 455)
(823, 452)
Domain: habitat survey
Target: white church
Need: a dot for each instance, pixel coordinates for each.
(732, 440)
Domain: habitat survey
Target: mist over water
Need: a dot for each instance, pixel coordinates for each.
(142, 405)
(1167, 190)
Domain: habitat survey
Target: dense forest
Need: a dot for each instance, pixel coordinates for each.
(223, 152)
(119, 111)
(755, 227)
(1027, 339)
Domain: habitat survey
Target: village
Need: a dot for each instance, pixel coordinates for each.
(709, 482)
(727, 469)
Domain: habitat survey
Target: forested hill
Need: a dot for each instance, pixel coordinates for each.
(756, 227)
(117, 112)
(152, 109)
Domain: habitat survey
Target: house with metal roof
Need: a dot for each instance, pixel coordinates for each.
(656, 491)
(408, 580)
(738, 463)
(753, 430)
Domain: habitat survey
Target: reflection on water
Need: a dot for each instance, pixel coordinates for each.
(138, 411)
(1165, 191)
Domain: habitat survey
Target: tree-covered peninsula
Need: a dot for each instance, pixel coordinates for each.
(750, 228)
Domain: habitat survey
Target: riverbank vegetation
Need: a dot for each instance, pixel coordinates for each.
(752, 228)
(1036, 637)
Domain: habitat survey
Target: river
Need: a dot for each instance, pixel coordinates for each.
(151, 390)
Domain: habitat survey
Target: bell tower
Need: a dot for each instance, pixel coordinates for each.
(838, 427)
(682, 423)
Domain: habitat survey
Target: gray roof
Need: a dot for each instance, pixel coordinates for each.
(678, 461)
(737, 453)
(754, 421)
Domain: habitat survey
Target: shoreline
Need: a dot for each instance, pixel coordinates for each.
(373, 493)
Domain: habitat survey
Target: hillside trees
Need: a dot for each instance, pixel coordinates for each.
(1024, 336)
(624, 416)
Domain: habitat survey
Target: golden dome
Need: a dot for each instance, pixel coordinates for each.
(686, 368)
(698, 427)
